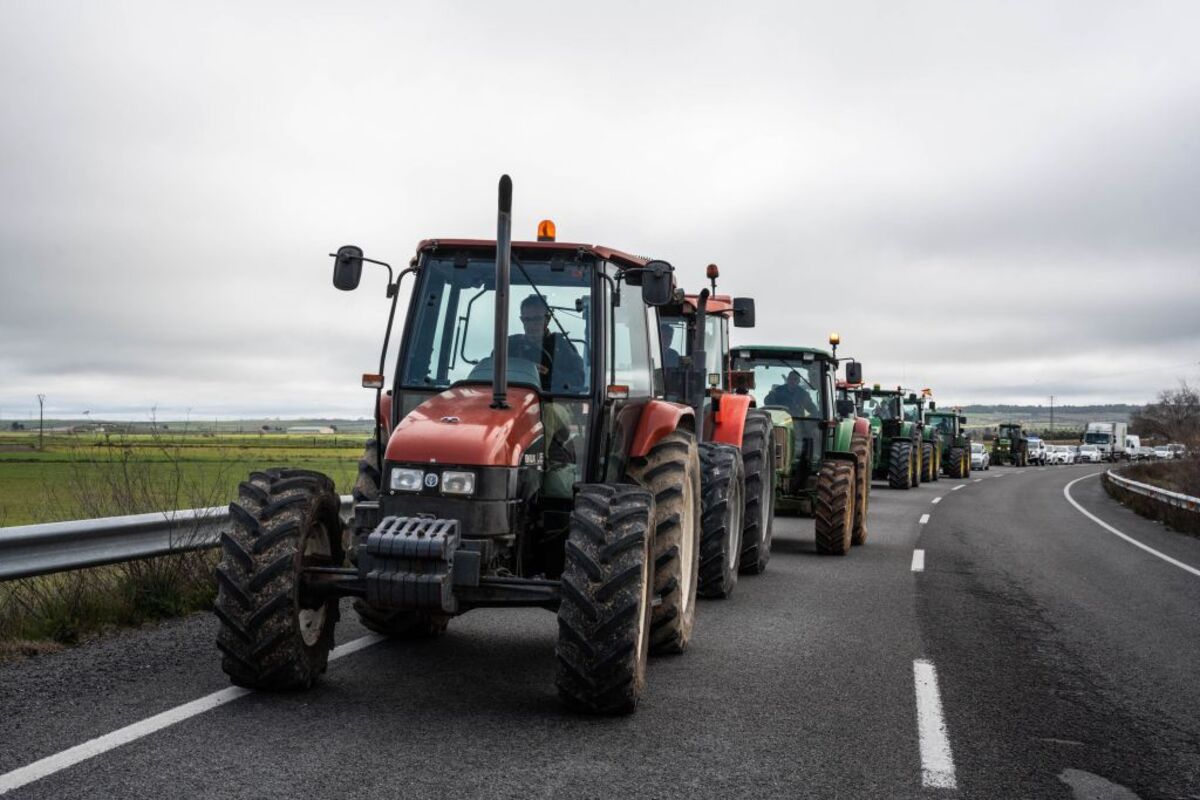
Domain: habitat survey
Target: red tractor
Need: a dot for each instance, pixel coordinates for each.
(539, 468)
(736, 448)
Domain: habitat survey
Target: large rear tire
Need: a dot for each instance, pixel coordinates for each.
(861, 448)
(671, 471)
(604, 618)
(272, 636)
(384, 621)
(926, 462)
(900, 465)
(834, 510)
(723, 486)
(759, 463)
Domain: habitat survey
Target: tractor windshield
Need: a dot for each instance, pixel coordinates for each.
(791, 384)
(452, 331)
(944, 424)
(882, 406)
(912, 412)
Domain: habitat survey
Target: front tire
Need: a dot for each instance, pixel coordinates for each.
(723, 489)
(927, 465)
(759, 464)
(900, 466)
(862, 453)
(834, 511)
(607, 585)
(671, 471)
(272, 636)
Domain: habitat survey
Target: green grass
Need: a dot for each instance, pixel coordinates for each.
(86, 476)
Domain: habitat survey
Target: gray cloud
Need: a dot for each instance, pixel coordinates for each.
(991, 200)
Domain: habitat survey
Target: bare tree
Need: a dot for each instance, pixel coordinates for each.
(1175, 417)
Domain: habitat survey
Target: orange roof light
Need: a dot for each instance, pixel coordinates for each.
(835, 339)
(546, 230)
(713, 272)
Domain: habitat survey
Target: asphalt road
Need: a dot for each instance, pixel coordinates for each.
(1066, 661)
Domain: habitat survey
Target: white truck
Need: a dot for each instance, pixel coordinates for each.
(1109, 438)
(1133, 447)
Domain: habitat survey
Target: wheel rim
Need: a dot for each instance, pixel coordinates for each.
(735, 523)
(311, 621)
(687, 544)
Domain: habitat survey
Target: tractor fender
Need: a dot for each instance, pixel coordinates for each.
(862, 427)
(459, 427)
(730, 419)
(843, 436)
(658, 419)
(830, 455)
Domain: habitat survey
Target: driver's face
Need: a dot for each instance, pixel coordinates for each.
(534, 320)
(793, 379)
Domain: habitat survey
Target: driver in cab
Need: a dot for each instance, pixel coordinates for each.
(792, 396)
(557, 362)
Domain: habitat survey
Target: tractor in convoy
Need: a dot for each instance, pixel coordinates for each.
(524, 456)
(955, 444)
(824, 458)
(915, 410)
(1011, 445)
(737, 483)
(899, 441)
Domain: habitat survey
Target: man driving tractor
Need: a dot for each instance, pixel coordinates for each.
(556, 359)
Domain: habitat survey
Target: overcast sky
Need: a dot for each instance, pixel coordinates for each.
(1000, 201)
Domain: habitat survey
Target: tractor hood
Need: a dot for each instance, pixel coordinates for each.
(459, 427)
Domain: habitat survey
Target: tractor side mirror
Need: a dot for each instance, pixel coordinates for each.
(865, 393)
(845, 408)
(854, 372)
(962, 421)
(347, 267)
(932, 406)
(658, 283)
(743, 312)
(741, 380)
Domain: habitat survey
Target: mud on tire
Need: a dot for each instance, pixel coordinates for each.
(759, 463)
(270, 636)
(900, 472)
(834, 509)
(723, 488)
(671, 471)
(607, 586)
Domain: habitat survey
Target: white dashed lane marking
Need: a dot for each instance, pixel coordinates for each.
(937, 762)
(918, 562)
(924, 518)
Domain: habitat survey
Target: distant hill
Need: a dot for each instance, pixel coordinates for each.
(1038, 417)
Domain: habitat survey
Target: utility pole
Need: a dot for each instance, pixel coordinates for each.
(41, 418)
(1051, 415)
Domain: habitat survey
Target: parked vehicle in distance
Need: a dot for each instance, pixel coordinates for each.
(1133, 446)
(1179, 450)
(1038, 451)
(1109, 437)
(980, 458)
(1090, 454)
(1164, 451)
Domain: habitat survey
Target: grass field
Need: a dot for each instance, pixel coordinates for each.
(75, 476)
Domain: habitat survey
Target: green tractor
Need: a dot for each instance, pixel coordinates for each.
(931, 444)
(955, 444)
(1011, 445)
(823, 450)
(898, 438)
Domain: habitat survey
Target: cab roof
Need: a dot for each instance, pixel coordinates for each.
(780, 351)
(618, 257)
(717, 304)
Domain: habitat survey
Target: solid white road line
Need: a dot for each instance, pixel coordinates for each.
(937, 762)
(924, 518)
(936, 500)
(102, 744)
(980, 480)
(918, 564)
(956, 488)
(1111, 529)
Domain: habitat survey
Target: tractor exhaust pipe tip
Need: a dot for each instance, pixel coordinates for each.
(505, 194)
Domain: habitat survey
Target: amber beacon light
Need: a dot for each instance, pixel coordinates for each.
(546, 230)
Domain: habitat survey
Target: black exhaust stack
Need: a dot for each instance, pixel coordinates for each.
(503, 259)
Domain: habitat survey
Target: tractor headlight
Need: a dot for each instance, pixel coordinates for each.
(406, 480)
(456, 482)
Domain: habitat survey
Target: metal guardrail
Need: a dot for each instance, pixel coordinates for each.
(1175, 499)
(29, 550)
